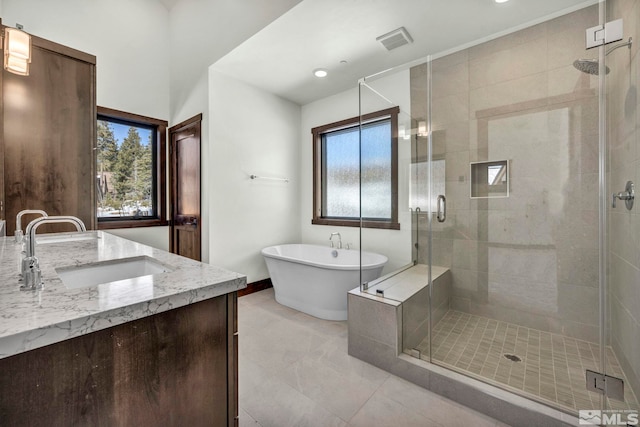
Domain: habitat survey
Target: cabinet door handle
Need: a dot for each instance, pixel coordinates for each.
(441, 214)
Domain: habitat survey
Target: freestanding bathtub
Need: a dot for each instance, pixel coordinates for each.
(315, 279)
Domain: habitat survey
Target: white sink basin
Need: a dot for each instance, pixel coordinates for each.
(110, 271)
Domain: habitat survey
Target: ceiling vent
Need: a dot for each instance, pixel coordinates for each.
(394, 39)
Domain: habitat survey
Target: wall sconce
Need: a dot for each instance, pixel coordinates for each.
(402, 133)
(17, 51)
(422, 128)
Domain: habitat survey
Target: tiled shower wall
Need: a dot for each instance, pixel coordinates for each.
(624, 165)
(531, 258)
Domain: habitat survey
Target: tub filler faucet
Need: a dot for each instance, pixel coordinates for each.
(31, 274)
(339, 240)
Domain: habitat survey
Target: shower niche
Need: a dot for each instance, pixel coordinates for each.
(489, 179)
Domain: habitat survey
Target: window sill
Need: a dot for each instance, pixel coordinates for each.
(385, 225)
(132, 223)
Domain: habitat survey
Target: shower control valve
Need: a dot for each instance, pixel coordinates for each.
(628, 195)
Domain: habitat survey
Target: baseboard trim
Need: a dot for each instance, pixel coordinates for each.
(260, 285)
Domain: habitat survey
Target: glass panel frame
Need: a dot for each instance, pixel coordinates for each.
(619, 248)
(573, 118)
(404, 282)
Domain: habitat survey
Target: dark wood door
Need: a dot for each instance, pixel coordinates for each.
(48, 136)
(186, 230)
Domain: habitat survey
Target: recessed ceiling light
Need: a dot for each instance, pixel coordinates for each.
(501, 1)
(320, 72)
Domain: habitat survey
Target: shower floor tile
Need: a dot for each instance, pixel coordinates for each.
(547, 367)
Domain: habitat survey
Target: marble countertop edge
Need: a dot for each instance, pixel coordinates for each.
(34, 320)
(40, 337)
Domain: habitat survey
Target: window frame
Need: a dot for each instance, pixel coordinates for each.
(159, 175)
(317, 132)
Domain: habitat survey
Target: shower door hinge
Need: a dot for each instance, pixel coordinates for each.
(601, 35)
(611, 387)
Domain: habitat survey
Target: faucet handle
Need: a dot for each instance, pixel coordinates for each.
(26, 265)
(32, 276)
(628, 195)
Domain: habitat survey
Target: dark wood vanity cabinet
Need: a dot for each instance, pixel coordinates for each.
(48, 135)
(177, 368)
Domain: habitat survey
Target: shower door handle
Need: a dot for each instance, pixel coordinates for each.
(441, 214)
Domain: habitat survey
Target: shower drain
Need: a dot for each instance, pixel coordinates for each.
(513, 357)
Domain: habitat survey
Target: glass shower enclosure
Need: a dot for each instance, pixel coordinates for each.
(512, 265)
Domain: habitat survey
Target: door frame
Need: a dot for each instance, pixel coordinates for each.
(196, 122)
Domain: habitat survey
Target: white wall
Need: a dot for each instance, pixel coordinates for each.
(146, 69)
(150, 61)
(129, 39)
(200, 33)
(197, 102)
(251, 132)
(395, 244)
(156, 237)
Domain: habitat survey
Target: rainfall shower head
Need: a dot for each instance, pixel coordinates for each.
(589, 66)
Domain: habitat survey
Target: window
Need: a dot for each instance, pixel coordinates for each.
(131, 170)
(339, 170)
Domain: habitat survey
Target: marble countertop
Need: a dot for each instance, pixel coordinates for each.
(32, 319)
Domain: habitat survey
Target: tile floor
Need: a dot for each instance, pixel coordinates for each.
(551, 369)
(294, 371)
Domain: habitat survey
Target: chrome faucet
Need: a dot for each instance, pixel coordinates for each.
(339, 240)
(31, 275)
(18, 232)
